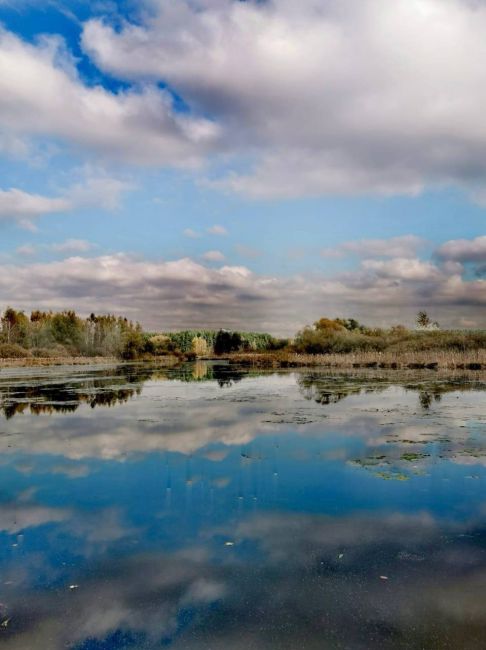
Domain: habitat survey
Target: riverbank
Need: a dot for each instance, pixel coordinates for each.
(439, 360)
(431, 360)
(34, 362)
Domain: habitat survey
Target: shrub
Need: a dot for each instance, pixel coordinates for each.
(161, 345)
(133, 344)
(52, 352)
(13, 351)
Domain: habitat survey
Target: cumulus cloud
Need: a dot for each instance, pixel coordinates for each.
(42, 94)
(331, 99)
(182, 293)
(341, 97)
(23, 208)
(403, 269)
(464, 250)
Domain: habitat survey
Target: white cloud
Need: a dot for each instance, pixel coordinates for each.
(336, 97)
(24, 208)
(331, 99)
(185, 293)
(213, 256)
(217, 230)
(42, 94)
(26, 250)
(72, 246)
(97, 189)
(403, 269)
(68, 246)
(464, 250)
(192, 234)
(403, 246)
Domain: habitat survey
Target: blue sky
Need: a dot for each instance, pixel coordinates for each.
(244, 164)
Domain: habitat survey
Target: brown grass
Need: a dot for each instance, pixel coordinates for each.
(27, 362)
(440, 359)
(55, 361)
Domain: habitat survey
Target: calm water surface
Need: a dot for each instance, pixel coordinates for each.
(209, 508)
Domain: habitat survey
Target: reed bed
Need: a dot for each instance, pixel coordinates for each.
(436, 359)
(27, 362)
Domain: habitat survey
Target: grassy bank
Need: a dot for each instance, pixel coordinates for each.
(437, 359)
(429, 360)
(28, 362)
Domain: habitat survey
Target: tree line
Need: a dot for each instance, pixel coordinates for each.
(64, 333)
(47, 334)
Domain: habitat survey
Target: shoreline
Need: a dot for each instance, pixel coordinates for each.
(44, 362)
(474, 360)
(440, 360)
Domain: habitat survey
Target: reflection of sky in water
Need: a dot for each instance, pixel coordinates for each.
(142, 510)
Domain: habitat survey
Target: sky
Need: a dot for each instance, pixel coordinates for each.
(249, 164)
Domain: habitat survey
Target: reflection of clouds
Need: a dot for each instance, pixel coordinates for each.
(95, 530)
(71, 471)
(177, 416)
(15, 517)
(141, 595)
(314, 582)
(170, 416)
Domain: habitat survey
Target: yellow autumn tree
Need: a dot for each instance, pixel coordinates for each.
(199, 346)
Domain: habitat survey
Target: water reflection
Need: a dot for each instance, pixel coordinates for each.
(99, 388)
(213, 508)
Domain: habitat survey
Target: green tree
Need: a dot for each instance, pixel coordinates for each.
(423, 319)
(15, 326)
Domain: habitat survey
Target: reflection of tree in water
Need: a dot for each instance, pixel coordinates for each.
(47, 395)
(330, 390)
(107, 388)
(224, 374)
(426, 398)
(432, 392)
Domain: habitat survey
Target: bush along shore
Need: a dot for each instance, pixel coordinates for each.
(48, 338)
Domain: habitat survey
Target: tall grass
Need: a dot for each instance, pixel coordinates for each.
(423, 359)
